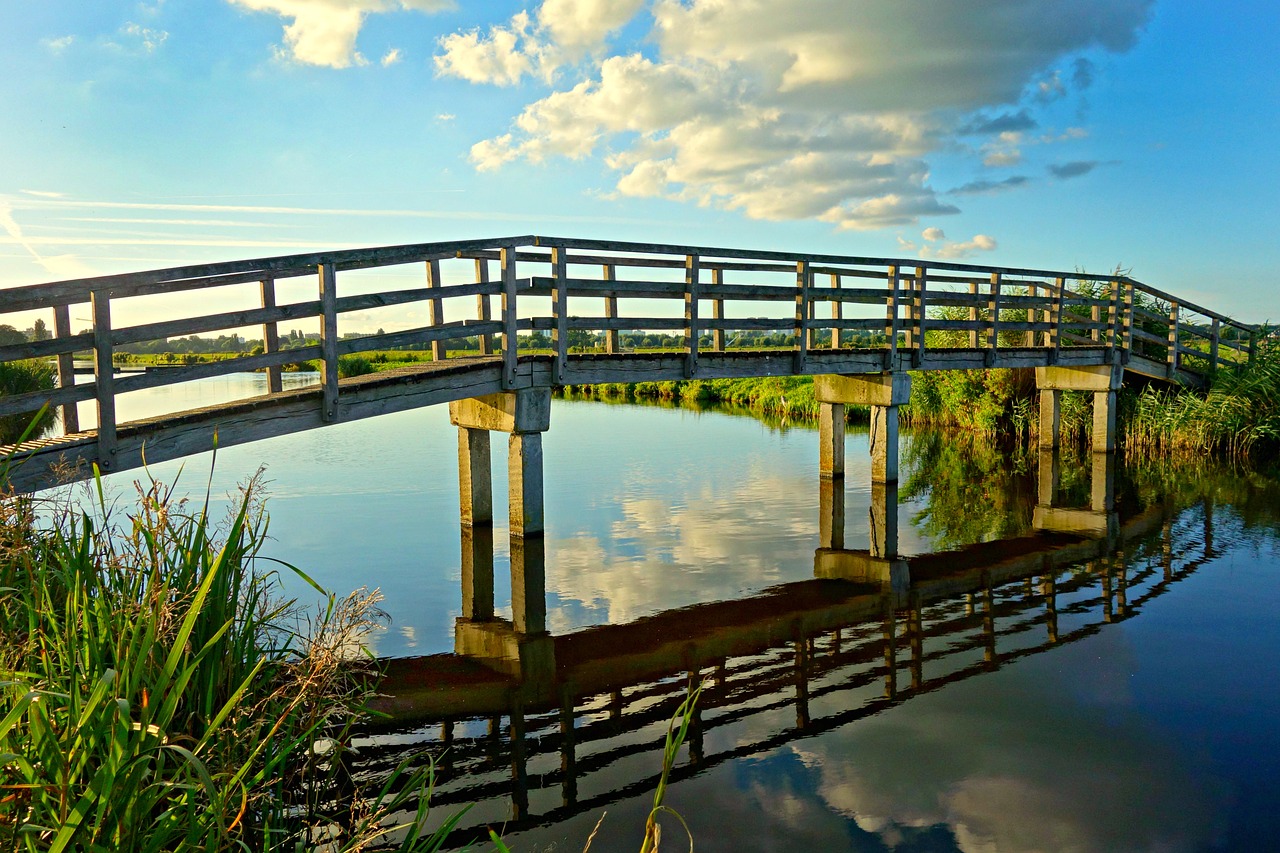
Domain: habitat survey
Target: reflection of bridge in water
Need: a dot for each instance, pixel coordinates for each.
(544, 727)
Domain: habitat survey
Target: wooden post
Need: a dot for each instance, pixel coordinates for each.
(66, 367)
(484, 313)
(973, 314)
(329, 343)
(691, 331)
(717, 311)
(1126, 337)
(559, 314)
(1055, 320)
(612, 342)
(891, 320)
(271, 335)
(509, 315)
(804, 280)
(1171, 355)
(921, 305)
(1253, 344)
(1095, 317)
(439, 349)
(1213, 345)
(909, 332)
(837, 311)
(993, 328)
(104, 378)
(1113, 317)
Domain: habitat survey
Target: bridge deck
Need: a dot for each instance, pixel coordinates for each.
(884, 315)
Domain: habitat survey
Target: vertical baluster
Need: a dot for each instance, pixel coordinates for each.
(1213, 345)
(993, 327)
(329, 343)
(804, 280)
(1033, 290)
(921, 306)
(439, 348)
(717, 311)
(908, 292)
(837, 312)
(891, 320)
(271, 335)
(1113, 317)
(509, 316)
(1127, 331)
(484, 312)
(66, 367)
(1055, 319)
(612, 343)
(104, 379)
(1171, 354)
(973, 314)
(559, 313)
(692, 288)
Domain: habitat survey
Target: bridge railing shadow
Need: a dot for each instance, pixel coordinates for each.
(520, 304)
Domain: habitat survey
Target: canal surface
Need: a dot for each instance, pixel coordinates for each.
(1123, 702)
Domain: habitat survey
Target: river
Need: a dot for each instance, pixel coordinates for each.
(1153, 728)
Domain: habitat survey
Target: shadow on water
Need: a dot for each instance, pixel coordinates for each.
(1032, 554)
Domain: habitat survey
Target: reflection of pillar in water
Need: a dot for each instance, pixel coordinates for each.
(831, 512)
(528, 585)
(890, 654)
(1102, 483)
(884, 520)
(1049, 477)
(477, 572)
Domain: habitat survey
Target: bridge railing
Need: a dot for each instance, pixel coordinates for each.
(710, 299)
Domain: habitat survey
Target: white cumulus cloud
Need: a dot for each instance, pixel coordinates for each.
(324, 32)
(788, 109)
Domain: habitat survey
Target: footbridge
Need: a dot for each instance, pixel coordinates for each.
(501, 318)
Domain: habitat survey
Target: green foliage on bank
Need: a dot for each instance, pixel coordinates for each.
(21, 377)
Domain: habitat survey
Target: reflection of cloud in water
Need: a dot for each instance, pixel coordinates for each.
(1014, 762)
(673, 552)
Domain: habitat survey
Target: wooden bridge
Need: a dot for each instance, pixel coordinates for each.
(858, 323)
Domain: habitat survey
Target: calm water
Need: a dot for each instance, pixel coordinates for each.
(1142, 716)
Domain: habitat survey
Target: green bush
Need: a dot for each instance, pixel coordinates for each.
(21, 377)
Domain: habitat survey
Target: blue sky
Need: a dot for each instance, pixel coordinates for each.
(1059, 134)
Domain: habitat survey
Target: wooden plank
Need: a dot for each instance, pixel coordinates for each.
(611, 341)
(439, 349)
(770, 324)
(270, 335)
(214, 322)
(559, 313)
(44, 349)
(593, 287)
(104, 377)
(484, 312)
(456, 330)
(14, 404)
(66, 367)
(389, 298)
(328, 343)
(804, 280)
(691, 330)
(158, 377)
(509, 316)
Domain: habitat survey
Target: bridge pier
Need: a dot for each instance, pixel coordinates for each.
(1099, 521)
(1103, 380)
(883, 392)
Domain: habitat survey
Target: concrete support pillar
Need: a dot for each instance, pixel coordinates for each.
(1104, 421)
(831, 512)
(475, 480)
(477, 572)
(524, 482)
(831, 439)
(884, 520)
(528, 585)
(884, 444)
(883, 392)
(1050, 419)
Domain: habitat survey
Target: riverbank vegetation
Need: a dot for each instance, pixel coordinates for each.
(21, 377)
